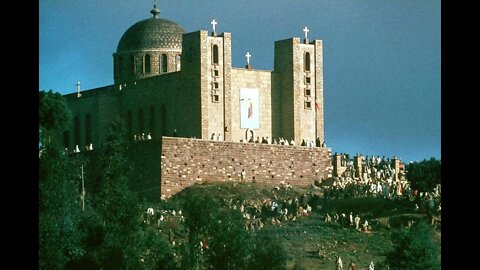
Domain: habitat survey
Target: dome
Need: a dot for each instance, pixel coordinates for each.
(153, 33)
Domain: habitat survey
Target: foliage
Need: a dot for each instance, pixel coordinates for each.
(414, 248)
(207, 219)
(424, 175)
(157, 253)
(59, 208)
(229, 244)
(199, 210)
(116, 204)
(268, 253)
(54, 115)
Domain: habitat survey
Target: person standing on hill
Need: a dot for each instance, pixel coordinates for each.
(339, 263)
(242, 175)
(352, 266)
(357, 222)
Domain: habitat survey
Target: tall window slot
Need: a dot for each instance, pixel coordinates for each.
(141, 125)
(76, 131)
(307, 61)
(147, 65)
(132, 64)
(66, 139)
(152, 121)
(120, 66)
(129, 125)
(163, 63)
(215, 54)
(88, 129)
(163, 119)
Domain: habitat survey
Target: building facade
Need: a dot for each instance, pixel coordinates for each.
(167, 80)
(171, 83)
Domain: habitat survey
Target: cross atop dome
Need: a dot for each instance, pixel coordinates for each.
(155, 11)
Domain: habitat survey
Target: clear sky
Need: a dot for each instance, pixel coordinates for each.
(381, 58)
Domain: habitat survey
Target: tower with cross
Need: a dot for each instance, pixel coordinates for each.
(298, 65)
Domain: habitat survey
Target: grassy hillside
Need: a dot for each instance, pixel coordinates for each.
(310, 242)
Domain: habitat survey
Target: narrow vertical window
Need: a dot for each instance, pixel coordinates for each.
(141, 126)
(215, 54)
(66, 139)
(88, 130)
(76, 131)
(163, 119)
(307, 61)
(152, 121)
(120, 66)
(163, 63)
(129, 125)
(147, 65)
(132, 64)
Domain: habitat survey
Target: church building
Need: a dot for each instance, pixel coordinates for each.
(168, 82)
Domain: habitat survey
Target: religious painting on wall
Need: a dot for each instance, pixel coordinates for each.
(249, 108)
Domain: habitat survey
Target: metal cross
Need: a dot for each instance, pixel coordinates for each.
(248, 55)
(78, 89)
(214, 23)
(306, 30)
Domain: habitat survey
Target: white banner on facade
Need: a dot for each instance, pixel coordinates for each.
(249, 108)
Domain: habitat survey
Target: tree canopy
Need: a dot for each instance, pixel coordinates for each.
(424, 175)
(415, 248)
(54, 114)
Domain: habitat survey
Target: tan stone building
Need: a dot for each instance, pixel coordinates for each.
(167, 81)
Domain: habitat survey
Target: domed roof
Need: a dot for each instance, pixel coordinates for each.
(151, 33)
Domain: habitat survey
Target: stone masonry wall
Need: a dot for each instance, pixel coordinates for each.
(185, 162)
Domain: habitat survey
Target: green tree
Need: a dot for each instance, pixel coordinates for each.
(116, 205)
(156, 251)
(54, 116)
(229, 246)
(59, 208)
(415, 248)
(208, 219)
(200, 211)
(267, 252)
(424, 175)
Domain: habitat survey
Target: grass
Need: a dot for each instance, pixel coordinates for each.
(311, 243)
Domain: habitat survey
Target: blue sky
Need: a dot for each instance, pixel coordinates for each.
(381, 58)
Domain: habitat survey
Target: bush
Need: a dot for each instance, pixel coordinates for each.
(267, 253)
(415, 248)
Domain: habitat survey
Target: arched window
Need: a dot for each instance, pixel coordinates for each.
(178, 59)
(76, 131)
(152, 121)
(215, 54)
(132, 64)
(306, 61)
(141, 124)
(147, 65)
(88, 130)
(129, 125)
(163, 63)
